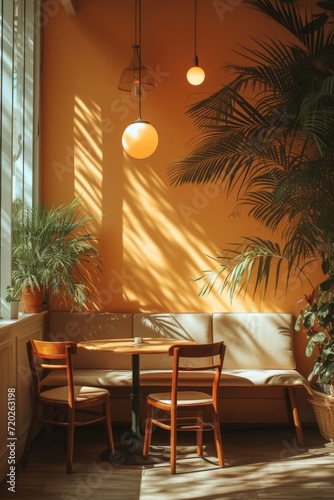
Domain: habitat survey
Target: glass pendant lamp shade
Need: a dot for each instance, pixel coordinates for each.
(129, 80)
(140, 139)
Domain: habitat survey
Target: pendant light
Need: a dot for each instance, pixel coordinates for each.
(140, 139)
(129, 79)
(195, 74)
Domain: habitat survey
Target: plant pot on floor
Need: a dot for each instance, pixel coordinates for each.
(323, 407)
(32, 300)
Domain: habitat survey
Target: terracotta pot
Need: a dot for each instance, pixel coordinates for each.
(32, 300)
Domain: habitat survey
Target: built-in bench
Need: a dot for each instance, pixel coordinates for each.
(259, 355)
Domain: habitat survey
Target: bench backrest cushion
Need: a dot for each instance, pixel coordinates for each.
(183, 326)
(255, 340)
(92, 326)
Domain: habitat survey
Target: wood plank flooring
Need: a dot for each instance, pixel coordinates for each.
(260, 464)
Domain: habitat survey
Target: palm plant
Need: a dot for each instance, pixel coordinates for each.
(268, 135)
(52, 250)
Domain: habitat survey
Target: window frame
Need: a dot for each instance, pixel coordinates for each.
(20, 49)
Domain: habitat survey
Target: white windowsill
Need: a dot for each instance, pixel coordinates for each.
(23, 318)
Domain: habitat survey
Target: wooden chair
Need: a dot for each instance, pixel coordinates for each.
(174, 402)
(67, 406)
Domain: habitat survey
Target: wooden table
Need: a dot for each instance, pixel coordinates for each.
(127, 346)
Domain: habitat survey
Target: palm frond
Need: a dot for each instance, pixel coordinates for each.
(241, 262)
(268, 135)
(312, 35)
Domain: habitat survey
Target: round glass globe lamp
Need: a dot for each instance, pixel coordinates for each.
(140, 139)
(195, 75)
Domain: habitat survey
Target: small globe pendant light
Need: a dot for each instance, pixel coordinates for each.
(140, 139)
(195, 74)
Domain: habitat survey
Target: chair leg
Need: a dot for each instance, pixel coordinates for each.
(148, 431)
(173, 442)
(199, 434)
(218, 440)
(70, 440)
(107, 414)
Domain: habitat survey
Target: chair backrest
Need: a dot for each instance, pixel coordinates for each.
(213, 351)
(45, 355)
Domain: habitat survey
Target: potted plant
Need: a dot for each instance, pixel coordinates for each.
(316, 319)
(268, 135)
(53, 253)
(13, 295)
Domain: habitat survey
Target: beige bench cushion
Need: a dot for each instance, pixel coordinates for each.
(259, 347)
(123, 378)
(255, 340)
(78, 327)
(182, 326)
(162, 378)
(93, 378)
(252, 378)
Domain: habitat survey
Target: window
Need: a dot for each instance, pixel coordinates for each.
(19, 118)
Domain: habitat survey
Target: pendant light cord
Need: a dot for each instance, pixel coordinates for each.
(195, 26)
(139, 43)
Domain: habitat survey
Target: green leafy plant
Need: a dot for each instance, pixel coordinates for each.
(268, 136)
(316, 319)
(12, 293)
(53, 251)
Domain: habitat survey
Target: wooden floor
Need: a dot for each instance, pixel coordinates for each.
(260, 464)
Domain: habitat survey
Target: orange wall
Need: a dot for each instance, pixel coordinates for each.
(153, 237)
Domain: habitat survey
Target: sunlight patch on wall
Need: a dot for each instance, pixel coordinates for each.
(164, 251)
(88, 174)
(169, 251)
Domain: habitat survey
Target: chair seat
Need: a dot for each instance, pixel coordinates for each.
(81, 393)
(184, 398)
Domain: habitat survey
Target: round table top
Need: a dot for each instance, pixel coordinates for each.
(127, 346)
